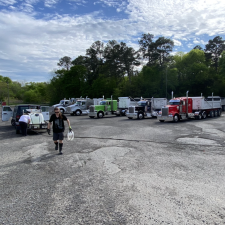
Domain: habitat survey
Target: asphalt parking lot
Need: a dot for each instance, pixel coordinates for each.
(115, 171)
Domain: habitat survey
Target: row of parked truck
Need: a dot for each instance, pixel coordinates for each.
(176, 109)
(138, 108)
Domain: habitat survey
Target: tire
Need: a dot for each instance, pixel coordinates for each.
(78, 113)
(17, 131)
(140, 116)
(215, 113)
(223, 108)
(204, 115)
(219, 112)
(62, 111)
(211, 114)
(91, 117)
(161, 121)
(130, 118)
(200, 116)
(175, 118)
(100, 114)
(13, 123)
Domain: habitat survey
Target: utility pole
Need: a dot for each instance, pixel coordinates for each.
(8, 91)
(166, 81)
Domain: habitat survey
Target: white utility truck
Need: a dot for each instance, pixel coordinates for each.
(123, 105)
(146, 108)
(39, 116)
(81, 107)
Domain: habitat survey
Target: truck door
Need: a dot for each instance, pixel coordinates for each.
(6, 113)
(82, 106)
(45, 112)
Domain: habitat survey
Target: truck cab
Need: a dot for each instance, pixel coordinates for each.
(63, 104)
(176, 110)
(146, 108)
(81, 107)
(105, 107)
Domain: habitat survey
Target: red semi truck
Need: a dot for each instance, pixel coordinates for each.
(189, 107)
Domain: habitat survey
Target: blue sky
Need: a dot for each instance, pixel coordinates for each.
(35, 34)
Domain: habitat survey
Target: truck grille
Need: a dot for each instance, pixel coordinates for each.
(131, 109)
(165, 111)
(92, 108)
(68, 109)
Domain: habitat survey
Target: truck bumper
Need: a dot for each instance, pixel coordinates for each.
(132, 115)
(166, 118)
(36, 127)
(92, 114)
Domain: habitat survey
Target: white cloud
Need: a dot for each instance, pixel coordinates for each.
(178, 17)
(177, 43)
(7, 2)
(50, 3)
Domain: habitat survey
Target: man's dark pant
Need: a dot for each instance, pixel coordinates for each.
(23, 127)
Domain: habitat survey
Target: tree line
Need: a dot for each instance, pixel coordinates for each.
(152, 71)
(116, 69)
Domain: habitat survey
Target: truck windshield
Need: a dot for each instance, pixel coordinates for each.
(103, 103)
(78, 103)
(141, 103)
(61, 102)
(174, 102)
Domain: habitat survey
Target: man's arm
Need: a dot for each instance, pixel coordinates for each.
(49, 125)
(68, 122)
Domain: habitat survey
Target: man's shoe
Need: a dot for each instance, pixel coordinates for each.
(60, 153)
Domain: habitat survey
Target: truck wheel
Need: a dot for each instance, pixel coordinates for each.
(223, 108)
(211, 114)
(161, 121)
(13, 123)
(62, 111)
(215, 113)
(199, 116)
(176, 118)
(78, 113)
(140, 116)
(130, 118)
(91, 117)
(204, 115)
(100, 114)
(219, 112)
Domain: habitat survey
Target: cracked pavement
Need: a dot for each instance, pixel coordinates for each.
(115, 171)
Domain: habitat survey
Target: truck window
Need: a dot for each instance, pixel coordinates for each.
(174, 102)
(103, 103)
(142, 103)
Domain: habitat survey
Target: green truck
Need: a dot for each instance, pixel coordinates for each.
(105, 107)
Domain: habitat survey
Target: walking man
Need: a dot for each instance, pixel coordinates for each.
(24, 121)
(58, 128)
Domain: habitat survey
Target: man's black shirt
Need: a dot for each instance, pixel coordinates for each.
(58, 124)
